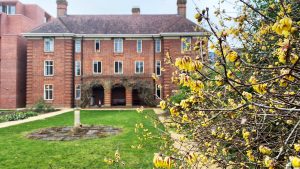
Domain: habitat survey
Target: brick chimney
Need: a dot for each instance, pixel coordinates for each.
(181, 7)
(62, 7)
(136, 11)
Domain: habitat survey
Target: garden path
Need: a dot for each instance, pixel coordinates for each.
(30, 119)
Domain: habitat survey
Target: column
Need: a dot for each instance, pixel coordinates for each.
(128, 96)
(107, 96)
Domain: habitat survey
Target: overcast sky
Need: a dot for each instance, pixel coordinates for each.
(125, 6)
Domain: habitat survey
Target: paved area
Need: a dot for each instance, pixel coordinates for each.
(30, 119)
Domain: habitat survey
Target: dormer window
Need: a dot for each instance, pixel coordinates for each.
(186, 43)
(8, 9)
(118, 45)
(97, 45)
(48, 45)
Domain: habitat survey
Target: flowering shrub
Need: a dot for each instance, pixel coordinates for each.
(242, 112)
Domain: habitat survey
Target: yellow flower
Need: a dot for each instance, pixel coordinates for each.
(158, 160)
(269, 162)
(219, 80)
(232, 56)
(229, 74)
(295, 162)
(192, 158)
(283, 27)
(260, 88)
(163, 105)
(185, 118)
(247, 95)
(250, 155)
(174, 112)
(167, 162)
(283, 83)
(294, 58)
(265, 150)
(246, 134)
(297, 147)
(252, 80)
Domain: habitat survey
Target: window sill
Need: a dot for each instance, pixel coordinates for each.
(49, 53)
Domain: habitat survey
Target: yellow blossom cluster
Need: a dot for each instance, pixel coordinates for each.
(160, 162)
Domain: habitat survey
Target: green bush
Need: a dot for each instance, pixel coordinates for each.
(18, 116)
(42, 107)
(180, 95)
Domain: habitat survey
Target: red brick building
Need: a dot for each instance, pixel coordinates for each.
(105, 59)
(15, 18)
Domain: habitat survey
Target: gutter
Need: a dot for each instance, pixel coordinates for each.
(166, 34)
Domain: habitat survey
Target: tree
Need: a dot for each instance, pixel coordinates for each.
(243, 112)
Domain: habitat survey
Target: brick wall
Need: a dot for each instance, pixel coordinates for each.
(64, 60)
(13, 53)
(62, 80)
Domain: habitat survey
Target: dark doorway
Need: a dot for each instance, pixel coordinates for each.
(98, 96)
(136, 100)
(118, 95)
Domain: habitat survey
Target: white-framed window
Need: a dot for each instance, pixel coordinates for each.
(118, 45)
(77, 68)
(186, 43)
(8, 9)
(157, 45)
(139, 67)
(78, 45)
(118, 67)
(97, 45)
(158, 91)
(139, 46)
(97, 67)
(49, 45)
(48, 92)
(48, 68)
(77, 92)
(158, 67)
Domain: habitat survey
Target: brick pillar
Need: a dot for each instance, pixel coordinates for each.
(128, 96)
(107, 96)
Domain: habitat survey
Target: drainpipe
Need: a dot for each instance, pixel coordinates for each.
(154, 63)
(73, 73)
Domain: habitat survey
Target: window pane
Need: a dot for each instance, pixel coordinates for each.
(97, 45)
(116, 67)
(120, 67)
(77, 46)
(158, 68)
(77, 68)
(95, 67)
(12, 10)
(50, 94)
(158, 45)
(158, 91)
(78, 92)
(99, 67)
(139, 46)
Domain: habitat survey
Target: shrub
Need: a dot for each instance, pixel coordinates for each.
(42, 107)
(18, 116)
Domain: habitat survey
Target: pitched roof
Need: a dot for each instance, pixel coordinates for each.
(118, 24)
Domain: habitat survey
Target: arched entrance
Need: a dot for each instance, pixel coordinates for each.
(118, 95)
(97, 96)
(136, 97)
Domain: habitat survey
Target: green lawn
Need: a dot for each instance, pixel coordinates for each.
(18, 152)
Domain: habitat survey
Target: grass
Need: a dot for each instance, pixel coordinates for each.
(16, 151)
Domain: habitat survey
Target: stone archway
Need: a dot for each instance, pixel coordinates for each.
(118, 95)
(97, 98)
